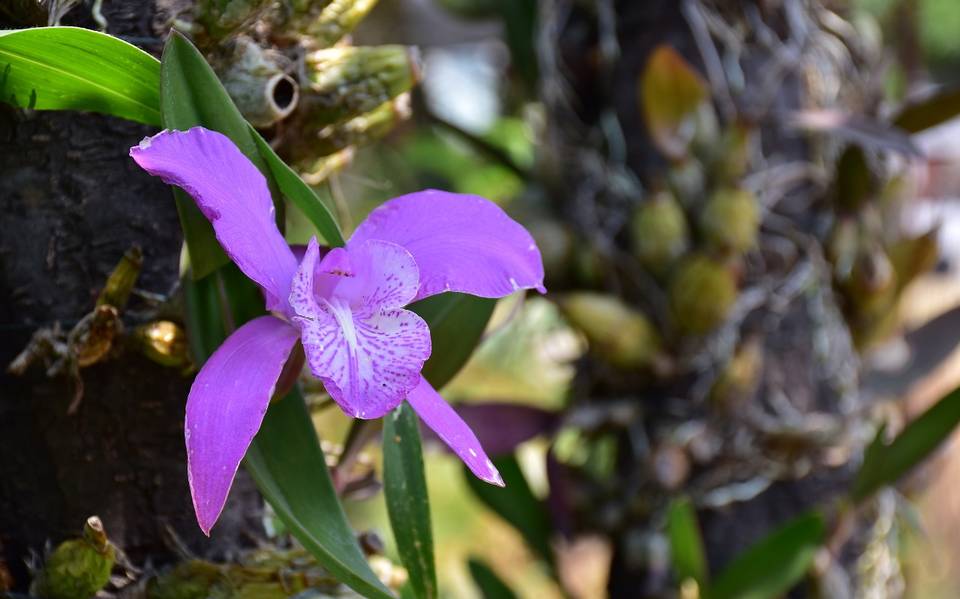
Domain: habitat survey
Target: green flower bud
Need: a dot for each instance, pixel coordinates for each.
(659, 232)
(79, 568)
(617, 333)
(730, 221)
(702, 292)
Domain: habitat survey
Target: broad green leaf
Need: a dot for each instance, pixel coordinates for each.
(774, 565)
(929, 112)
(686, 544)
(69, 68)
(884, 464)
(490, 585)
(288, 466)
(670, 93)
(191, 95)
(457, 322)
(405, 490)
(298, 192)
(516, 504)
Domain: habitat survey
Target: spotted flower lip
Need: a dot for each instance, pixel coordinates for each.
(346, 306)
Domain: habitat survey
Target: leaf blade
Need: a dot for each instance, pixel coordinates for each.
(686, 545)
(408, 505)
(457, 322)
(773, 565)
(104, 74)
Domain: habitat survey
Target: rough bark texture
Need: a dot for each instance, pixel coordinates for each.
(72, 204)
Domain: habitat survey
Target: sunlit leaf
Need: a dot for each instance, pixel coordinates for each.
(68, 68)
(686, 544)
(670, 94)
(884, 464)
(490, 585)
(516, 504)
(457, 322)
(405, 490)
(930, 111)
(774, 565)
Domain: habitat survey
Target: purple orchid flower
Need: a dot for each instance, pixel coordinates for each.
(345, 305)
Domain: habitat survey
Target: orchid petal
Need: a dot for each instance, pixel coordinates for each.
(367, 353)
(460, 243)
(450, 427)
(233, 195)
(226, 406)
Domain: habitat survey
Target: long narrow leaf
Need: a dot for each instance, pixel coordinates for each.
(408, 505)
(885, 464)
(68, 68)
(516, 504)
(686, 544)
(457, 322)
(288, 466)
(490, 585)
(299, 193)
(774, 565)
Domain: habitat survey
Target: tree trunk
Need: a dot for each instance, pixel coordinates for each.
(790, 444)
(73, 203)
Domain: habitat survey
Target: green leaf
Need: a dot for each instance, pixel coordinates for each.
(457, 322)
(670, 93)
(288, 466)
(490, 585)
(405, 490)
(516, 504)
(191, 95)
(68, 68)
(774, 565)
(299, 193)
(686, 544)
(854, 182)
(929, 112)
(884, 464)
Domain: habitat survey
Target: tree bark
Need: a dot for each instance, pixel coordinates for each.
(73, 203)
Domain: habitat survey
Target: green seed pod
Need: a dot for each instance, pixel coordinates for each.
(730, 221)
(659, 232)
(116, 291)
(256, 79)
(702, 292)
(220, 18)
(616, 332)
(164, 342)
(79, 568)
(346, 82)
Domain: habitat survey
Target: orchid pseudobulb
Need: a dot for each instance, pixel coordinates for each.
(345, 305)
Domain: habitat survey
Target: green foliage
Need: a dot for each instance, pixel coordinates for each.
(686, 544)
(68, 68)
(78, 568)
(884, 464)
(405, 489)
(457, 322)
(287, 463)
(929, 112)
(774, 565)
(516, 504)
(490, 585)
